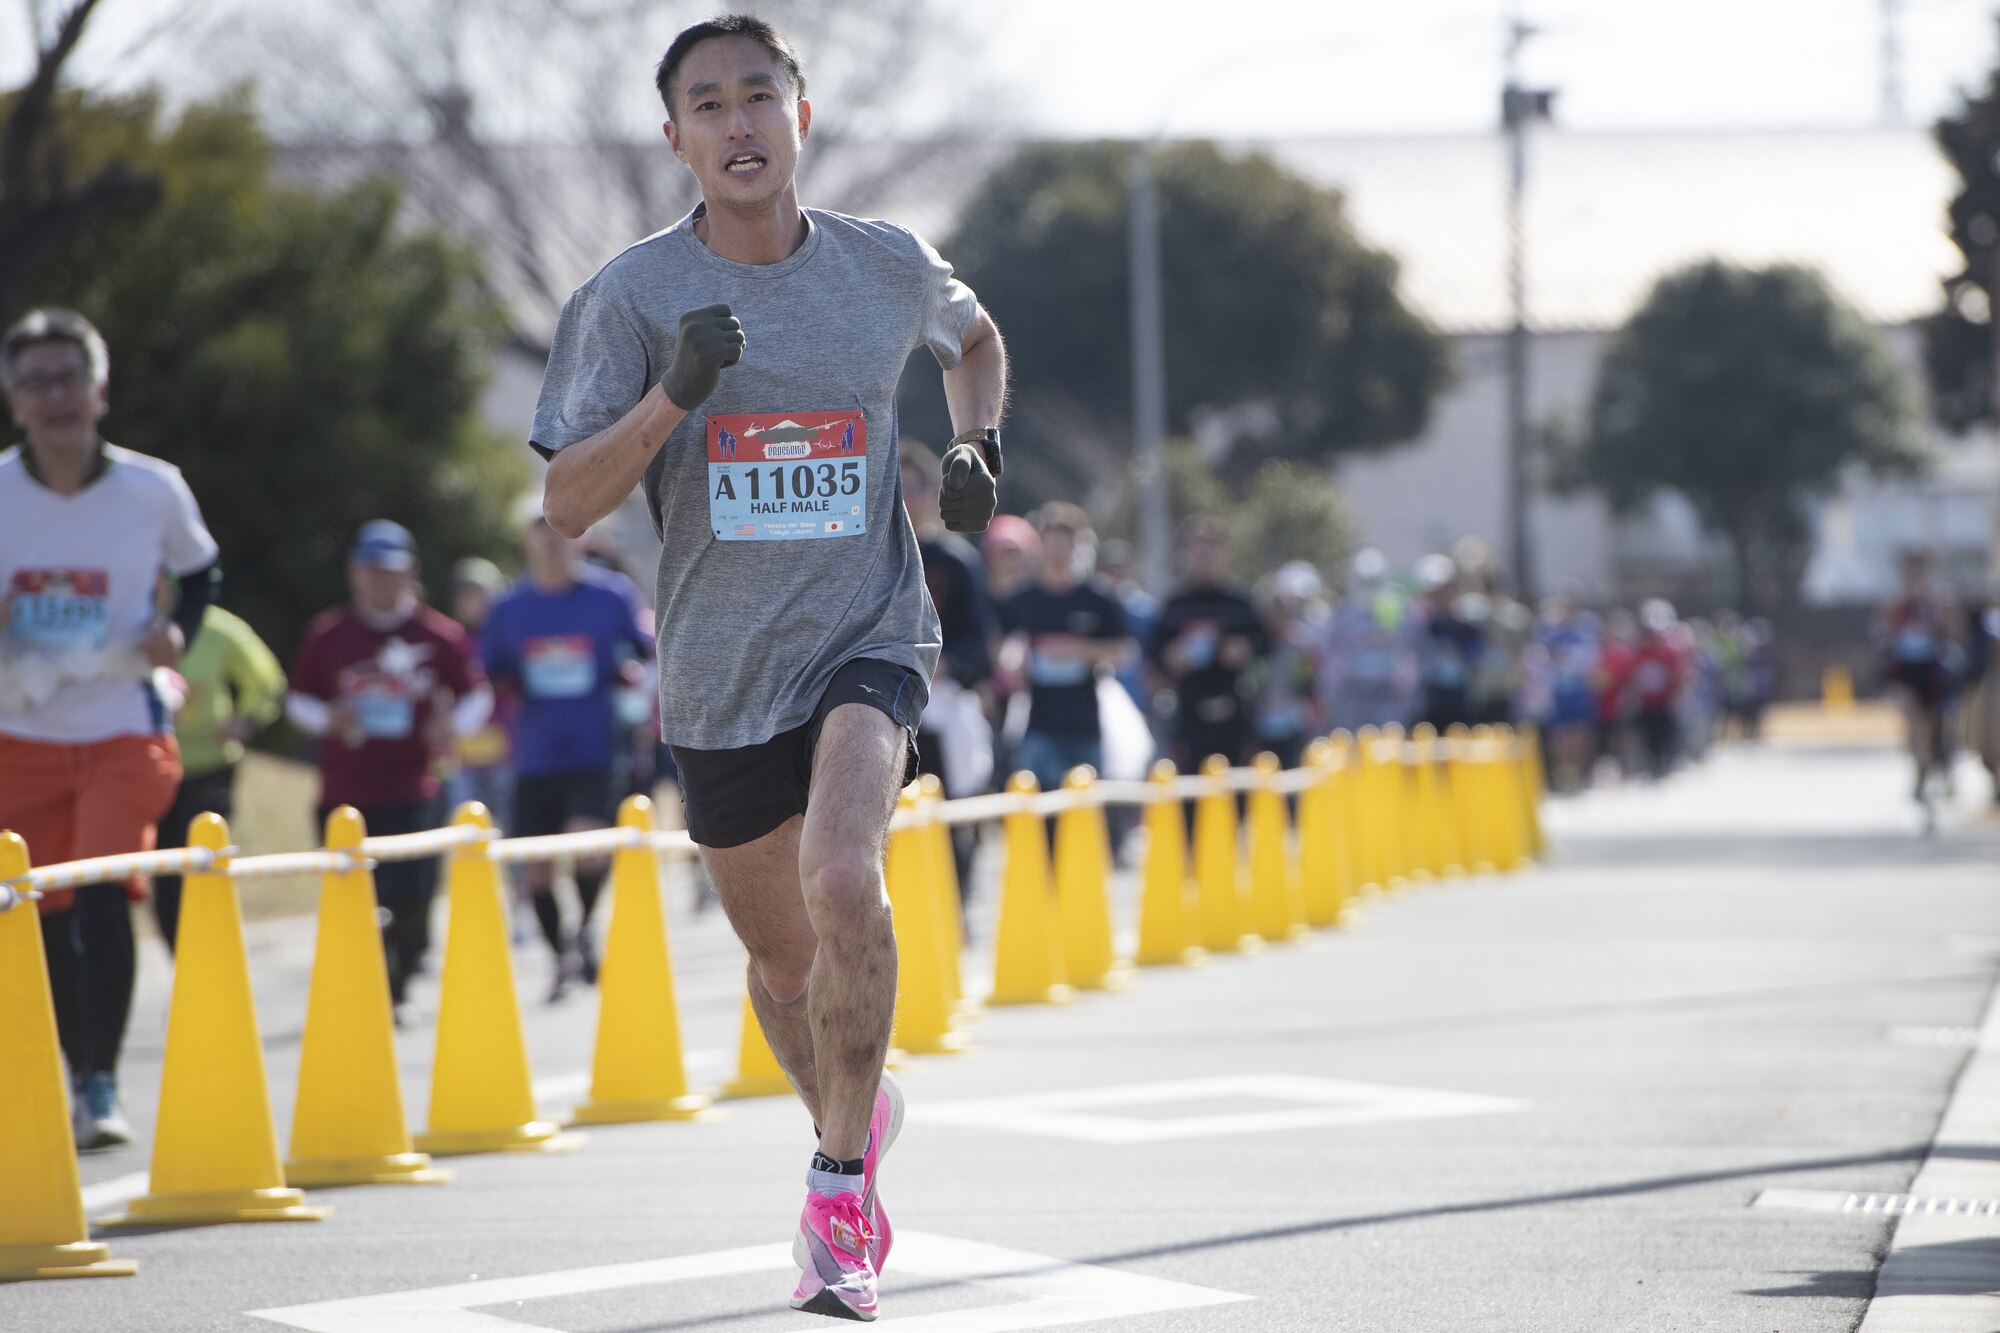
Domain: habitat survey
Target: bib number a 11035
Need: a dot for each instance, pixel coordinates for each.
(785, 477)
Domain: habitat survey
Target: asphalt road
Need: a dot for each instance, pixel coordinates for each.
(1543, 1102)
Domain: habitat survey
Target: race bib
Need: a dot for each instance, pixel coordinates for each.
(384, 709)
(1372, 665)
(559, 666)
(57, 609)
(786, 477)
(1652, 678)
(1916, 645)
(1045, 670)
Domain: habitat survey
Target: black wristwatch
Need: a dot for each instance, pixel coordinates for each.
(988, 441)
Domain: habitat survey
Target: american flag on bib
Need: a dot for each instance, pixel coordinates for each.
(746, 529)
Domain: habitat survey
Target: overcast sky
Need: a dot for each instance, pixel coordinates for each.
(1339, 67)
(1122, 67)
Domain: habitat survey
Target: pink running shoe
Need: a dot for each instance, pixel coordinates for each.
(836, 1279)
(883, 1127)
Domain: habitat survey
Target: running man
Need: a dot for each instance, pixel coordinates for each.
(1918, 636)
(89, 533)
(564, 639)
(796, 640)
(387, 685)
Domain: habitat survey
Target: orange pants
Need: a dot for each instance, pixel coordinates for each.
(77, 801)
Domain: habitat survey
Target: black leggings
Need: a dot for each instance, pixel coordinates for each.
(91, 965)
(548, 912)
(208, 793)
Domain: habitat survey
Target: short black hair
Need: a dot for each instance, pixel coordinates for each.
(54, 325)
(728, 25)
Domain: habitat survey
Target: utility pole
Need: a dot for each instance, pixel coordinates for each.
(1893, 114)
(1149, 370)
(1519, 107)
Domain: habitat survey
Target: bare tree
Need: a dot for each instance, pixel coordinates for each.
(42, 200)
(531, 126)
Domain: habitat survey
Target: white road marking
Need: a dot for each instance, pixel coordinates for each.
(1957, 1039)
(115, 1192)
(1083, 1114)
(1860, 1204)
(1048, 1292)
(555, 1089)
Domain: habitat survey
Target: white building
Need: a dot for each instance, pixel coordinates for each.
(1606, 216)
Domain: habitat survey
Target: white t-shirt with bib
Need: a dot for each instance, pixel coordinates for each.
(82, 571)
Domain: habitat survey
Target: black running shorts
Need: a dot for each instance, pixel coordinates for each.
(544, 803)
(733, 797)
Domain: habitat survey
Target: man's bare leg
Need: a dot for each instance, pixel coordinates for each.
(758, 887)
(809, 903)
(851, 1001)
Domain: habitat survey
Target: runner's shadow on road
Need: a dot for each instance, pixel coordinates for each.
(1854, 1287)
(1969, 1267)
(1853, 851)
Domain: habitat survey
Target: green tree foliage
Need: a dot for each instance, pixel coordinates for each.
(1270, 297)
(1285, 510)
(1748, 391)
(304, 360)
(1958, 339)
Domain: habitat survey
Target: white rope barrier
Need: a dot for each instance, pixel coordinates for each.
(298, 863)
(1295, 780)
(556, 846)
(600, 842)
(100, 869)
(674, 842)
(981, 809)
(417, 846)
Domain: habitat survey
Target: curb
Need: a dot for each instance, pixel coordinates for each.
(1942, 1271)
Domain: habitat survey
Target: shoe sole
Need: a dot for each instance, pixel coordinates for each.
(824, 1302)
(895, 1091)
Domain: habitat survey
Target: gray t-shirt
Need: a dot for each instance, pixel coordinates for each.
(779, 501)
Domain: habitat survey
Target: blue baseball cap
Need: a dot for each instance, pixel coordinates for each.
(384, 544)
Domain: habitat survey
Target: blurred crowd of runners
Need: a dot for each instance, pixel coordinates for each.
(128, 691)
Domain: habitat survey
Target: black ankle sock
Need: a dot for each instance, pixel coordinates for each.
(821, 1162)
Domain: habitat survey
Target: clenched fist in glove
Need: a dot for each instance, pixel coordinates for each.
(710, 340)
(970, 494)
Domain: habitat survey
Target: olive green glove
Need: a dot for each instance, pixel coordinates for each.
(710, 340)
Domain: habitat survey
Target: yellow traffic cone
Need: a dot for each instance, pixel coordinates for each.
(348, 1126)
(42, 1231)
(1218, 884)
(1027, 954)
(924, 1008)
(1323, 873)
(1083, 901)
(1426, 819)
(1166, 911)
(1528, 743)
(638, 1072)
(1275, 911)
(1393, 806)
(1368, 802)
(482, 1097)
(758, 1073)
(1509, 809)
(942, 881)
(1468, 802)
(215, 1150)
(1348, 755)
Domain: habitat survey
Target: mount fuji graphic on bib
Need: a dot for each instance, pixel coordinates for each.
(787, 476)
